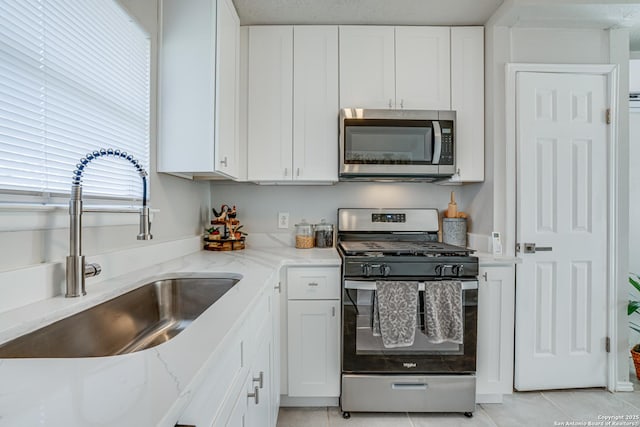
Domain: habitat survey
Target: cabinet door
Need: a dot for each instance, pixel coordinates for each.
(496, 293)
(315, 103)
(314, 348)
(227, 89)
(274, 369)
(186, 107)
(259, 393)
(270, 83)
(467, 99)
(238, 417)
(423, 68)
(367, 67)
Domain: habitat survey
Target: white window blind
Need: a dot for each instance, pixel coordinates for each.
(74, 78)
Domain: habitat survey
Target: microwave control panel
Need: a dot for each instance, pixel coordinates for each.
(446, 153)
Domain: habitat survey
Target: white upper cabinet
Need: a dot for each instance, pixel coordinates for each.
(315, 103)
(423, 68)
(292, 115)
(367, 67)
(467, 99)
(198, 101)
(227, 89)
(270, 92)
(395, 67)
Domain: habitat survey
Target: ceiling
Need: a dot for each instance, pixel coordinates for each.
(380, 12)
(522, 13)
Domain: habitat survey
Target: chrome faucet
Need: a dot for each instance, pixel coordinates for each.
(77, 270)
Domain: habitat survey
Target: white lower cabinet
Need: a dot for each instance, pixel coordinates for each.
(238, 386)
(259, 391)
(313, 332)
(496, 294)
(314, 348)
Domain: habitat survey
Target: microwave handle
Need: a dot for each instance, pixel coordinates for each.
(437, 143)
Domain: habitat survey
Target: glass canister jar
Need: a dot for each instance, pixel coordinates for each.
(304, 235)
(324, 234)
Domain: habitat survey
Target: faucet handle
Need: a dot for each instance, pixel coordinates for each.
(92, 269)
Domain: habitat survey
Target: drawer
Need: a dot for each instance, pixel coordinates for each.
(313, 283)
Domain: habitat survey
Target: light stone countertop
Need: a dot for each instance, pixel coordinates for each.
(149, 387)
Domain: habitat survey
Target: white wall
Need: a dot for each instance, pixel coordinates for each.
(179, 200)
(258, 205)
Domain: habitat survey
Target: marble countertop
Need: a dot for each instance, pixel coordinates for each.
(489, 259)
(146, 388)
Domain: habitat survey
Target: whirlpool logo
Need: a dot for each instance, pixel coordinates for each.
(409, 365)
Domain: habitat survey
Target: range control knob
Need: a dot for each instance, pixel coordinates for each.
(458, 270)
(385, 270)
(366, 270)
(438, 270)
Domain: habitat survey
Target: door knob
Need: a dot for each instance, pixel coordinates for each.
(531, 248)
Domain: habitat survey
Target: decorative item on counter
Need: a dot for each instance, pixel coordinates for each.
(454, 231)
(227, 236)
(324, 234)
(452, 210)
(454, 225)
(304, 235)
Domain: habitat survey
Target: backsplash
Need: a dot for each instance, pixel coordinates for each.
(258, 205)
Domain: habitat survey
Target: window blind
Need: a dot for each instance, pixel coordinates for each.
(74, 78)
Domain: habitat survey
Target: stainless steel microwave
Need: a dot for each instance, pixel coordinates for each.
(399, 145)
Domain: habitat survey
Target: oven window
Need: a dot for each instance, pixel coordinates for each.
(364, 352)
(383, 143)
(368, 343)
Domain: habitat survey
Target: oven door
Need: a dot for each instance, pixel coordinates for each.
(362, 352)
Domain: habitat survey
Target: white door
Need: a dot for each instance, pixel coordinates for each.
(561, 293)
(314, 348)
(367, 67)
(423, 68)
(315, 103)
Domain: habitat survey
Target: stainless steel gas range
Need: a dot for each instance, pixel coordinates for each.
(409, 314)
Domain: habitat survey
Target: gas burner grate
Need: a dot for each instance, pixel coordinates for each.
(397, 248)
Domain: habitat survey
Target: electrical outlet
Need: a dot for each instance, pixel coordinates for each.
(283, 219)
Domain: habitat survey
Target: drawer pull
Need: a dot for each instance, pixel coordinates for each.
(408, 386)
(255, 395)
(259, 379)
(312, 283)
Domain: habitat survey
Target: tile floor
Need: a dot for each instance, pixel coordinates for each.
(547, 408)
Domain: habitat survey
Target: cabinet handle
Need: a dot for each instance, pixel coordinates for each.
(259, 379)
(255, 395)
(485, 276)
(402, 103)
(277, 287)
(312, 284)
(224, 162)
(333, 312)
(298, 172)
(286, 171)
(390, 103)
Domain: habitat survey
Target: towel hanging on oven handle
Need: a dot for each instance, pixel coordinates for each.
(371, 285)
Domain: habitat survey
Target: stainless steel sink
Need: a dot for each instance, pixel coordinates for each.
(140, 319)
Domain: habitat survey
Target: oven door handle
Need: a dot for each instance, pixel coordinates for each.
(365, 285)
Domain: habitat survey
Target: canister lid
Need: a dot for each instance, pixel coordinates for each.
(324, 226)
